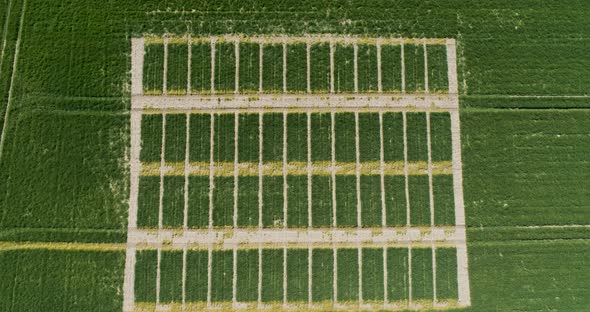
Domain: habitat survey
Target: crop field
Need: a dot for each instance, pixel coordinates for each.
(262, 155)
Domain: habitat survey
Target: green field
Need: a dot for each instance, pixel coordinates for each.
(64, 160)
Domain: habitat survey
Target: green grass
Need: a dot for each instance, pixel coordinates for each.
(223, 201)
(417, 137)
(201, 68)
(225, 67)
(346, 201)
(393, 137)
(419, 200)
(373, 287)
(272, 275)
(272, 137)
(64, 166)
(369, 137)
(444, 201)
(297, 275)
(391, 69)
(247, 279)
(175, 150)
(440, 136)
(296, 137)
(46, 280)
(145, 275)
(446, 273)
(321, 137)
(151, 138)
(296, 68)
(272, 68)
(371, 212)
(323, 276)
(62, 170)
(321, 201)
(297, 209)
(173, 202)
(248, 201)
(153, 68)
(221, 275)
(343, 68)
(348, 275)
(171, 276)
(422, 287)
(196, 275)
(438, 78)
(395, 200)
(397, 274)
(272, 201)
(320, 62)
(414, 61)
(248, 140)
(224, 149)
(177, 67)
(249, 67)
(344, 131)
(525, 167)
(198, 202)
(200, 137)
(367, 68)
(148, 201)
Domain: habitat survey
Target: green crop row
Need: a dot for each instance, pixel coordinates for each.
(271, 81)
(348, 287)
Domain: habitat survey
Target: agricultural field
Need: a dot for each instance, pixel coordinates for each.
(310, 156)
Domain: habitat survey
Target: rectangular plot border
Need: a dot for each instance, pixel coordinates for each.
(431, 237)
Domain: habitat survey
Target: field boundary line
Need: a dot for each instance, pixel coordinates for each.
(5, 34)
(12, 77)
(236, 169)
(165, 69)
(189, 64)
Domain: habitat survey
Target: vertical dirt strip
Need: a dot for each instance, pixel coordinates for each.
(379, 79)
(213, 39)
(165, 71)
(426, 89)
(188, 64)
(183, 303)
(260, 66)
(355, 49)
(186, 171)
(237, 71)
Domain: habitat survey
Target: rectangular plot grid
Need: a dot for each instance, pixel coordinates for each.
(259, 182)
